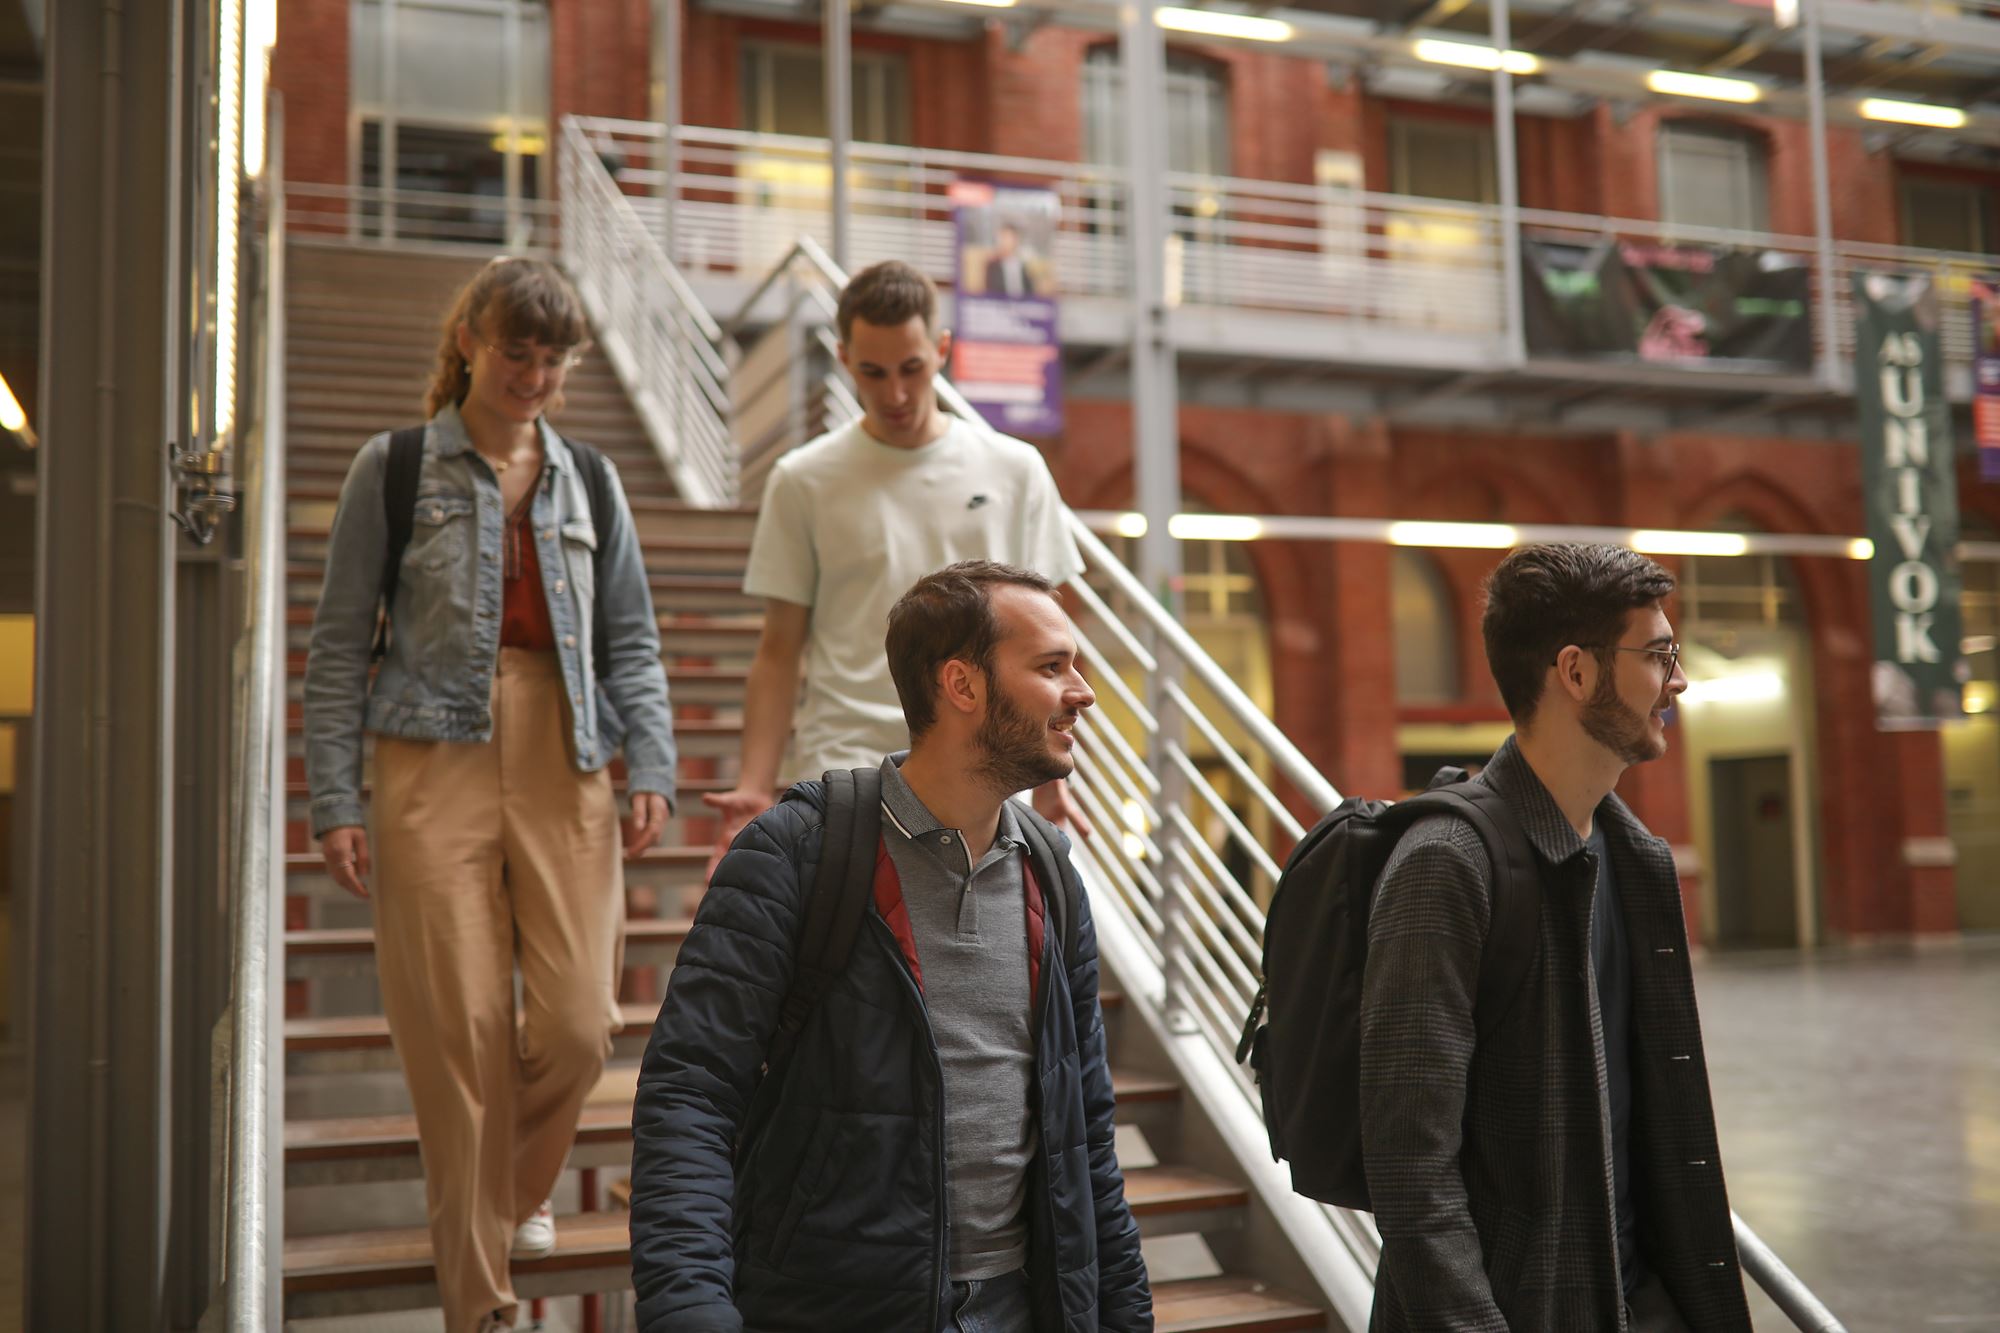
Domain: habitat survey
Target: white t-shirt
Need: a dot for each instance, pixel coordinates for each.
(849, 523)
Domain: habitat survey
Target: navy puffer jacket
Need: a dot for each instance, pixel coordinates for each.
(836, 1218)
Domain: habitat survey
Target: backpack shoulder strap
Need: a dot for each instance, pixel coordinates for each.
(841, 891)
(1048, 867)
(399, 507)
(1516, 911)
(596, 474)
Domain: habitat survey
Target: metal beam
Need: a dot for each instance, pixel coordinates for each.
(1822, 187)
(102, 840)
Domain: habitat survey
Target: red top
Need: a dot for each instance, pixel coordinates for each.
(524, 611)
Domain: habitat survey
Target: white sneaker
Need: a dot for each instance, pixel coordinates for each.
(536, 1237)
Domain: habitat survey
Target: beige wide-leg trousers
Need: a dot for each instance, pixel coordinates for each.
(490, 856)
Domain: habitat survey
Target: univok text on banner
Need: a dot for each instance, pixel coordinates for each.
(1912, 499)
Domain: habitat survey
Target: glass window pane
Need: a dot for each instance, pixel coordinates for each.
(450, 61)
(1197, 112)
(1426, 636)
(365, 40)
(1945, 215)
(784, 92)
(1712, 176)
(1440, 161)
(534, 104)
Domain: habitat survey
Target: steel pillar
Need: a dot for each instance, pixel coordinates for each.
(667, 65)
(839, 123)
(1501, 27)
(114, 382)
(1829, 365)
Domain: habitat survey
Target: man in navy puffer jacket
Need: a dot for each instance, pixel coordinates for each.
(939, 1152)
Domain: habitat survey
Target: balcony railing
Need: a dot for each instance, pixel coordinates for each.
(1426, 270)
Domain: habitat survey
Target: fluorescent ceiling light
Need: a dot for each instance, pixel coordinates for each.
(1214, 23)
(1676, 84)
(1658, 542)
(1215, 528)
(1489, 536)
(1785, 13)
(1469, 55)
(1861, 548)
(987, 4)
(1750, 687)
(1130, 525)
(1913, 113)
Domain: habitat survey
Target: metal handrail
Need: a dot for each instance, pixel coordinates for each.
(250, 1275)
(672, 356)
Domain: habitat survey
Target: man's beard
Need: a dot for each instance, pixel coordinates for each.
(1014, 753)
(1614, 724)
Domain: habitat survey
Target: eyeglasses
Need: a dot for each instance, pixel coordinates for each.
(1671, 655)
(524, 358)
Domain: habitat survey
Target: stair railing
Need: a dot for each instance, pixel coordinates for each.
(1188, 782)
(669, 353)
(247, 1057)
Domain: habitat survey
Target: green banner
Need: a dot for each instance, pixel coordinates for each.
(1912, 500)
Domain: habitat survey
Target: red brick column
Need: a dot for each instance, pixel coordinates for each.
(1357, 675)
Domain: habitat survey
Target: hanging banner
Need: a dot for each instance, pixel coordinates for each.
(1634, 300)
(1006, 357)
(1986, 375)
(1912, 500)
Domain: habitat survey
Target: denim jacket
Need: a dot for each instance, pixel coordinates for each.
(435, 681)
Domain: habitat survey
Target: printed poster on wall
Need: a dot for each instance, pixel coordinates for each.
(1625, 299)
(1006, 357)
(1912, 501)
(1986, 375)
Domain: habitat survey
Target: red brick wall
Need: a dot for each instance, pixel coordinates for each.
(309, 66)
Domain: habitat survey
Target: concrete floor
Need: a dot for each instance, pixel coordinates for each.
(1858, 1098)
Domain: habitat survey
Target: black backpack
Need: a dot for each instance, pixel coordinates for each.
(399, 507)
(842, 889)
(1307, 1051)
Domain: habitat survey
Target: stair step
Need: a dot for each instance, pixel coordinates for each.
(374, 1271)
(343, 950)
(384, 1147)
(1230, 1305)
(309, 863)
(361, 1032)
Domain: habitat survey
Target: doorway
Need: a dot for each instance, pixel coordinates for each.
(1755, 870)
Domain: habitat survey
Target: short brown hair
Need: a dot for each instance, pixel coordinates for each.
(945, 616)
(1543, 598)
(886, 295)
(510, 300)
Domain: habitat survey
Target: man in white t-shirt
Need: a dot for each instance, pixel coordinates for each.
(854, 518)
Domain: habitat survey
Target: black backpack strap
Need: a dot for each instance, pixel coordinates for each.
(596, 474)
(399, 507)
(1041, 839)
(841, 891)
(1515, 919)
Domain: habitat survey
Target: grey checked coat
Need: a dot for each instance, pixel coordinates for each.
(1489, 1165)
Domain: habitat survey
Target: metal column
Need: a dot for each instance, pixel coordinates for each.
(113, 386)
(839, 123)
(1156, 452)
(667, 60)
(1155, 415)
(1829, 364)
(1501, 26)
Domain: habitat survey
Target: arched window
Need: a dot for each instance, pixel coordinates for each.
(1426, 634)
(1714, 174)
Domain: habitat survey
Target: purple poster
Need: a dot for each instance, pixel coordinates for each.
(1986, 375)
(1005, 355)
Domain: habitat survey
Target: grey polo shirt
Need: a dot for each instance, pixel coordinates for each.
(971, 931)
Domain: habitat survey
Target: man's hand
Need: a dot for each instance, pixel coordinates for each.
(346, 852)
(649, 816)
(737, 808)
(1054, 803)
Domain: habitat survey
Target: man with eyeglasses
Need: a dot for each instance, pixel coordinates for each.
(1553, 1167)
